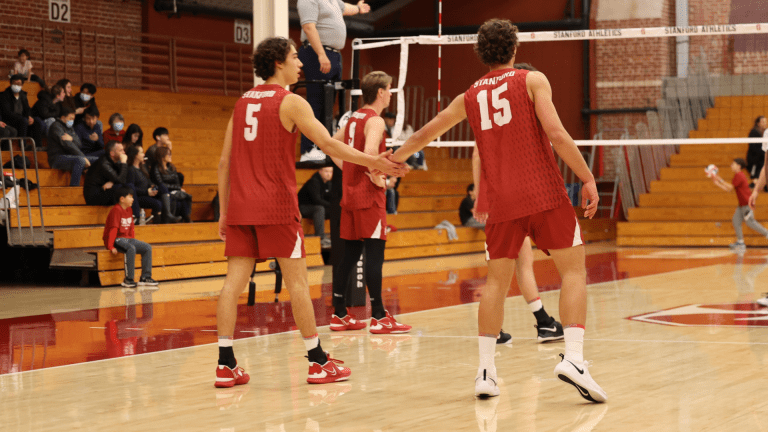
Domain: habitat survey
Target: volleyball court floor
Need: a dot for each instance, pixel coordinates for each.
(674, 335)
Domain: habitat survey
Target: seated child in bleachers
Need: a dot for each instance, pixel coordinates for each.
(119, 237)
(23, 67)
(743, 213)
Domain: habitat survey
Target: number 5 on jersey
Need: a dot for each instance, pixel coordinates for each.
(501, 117)
(251, 120)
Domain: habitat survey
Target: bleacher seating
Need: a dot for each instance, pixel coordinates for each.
(197, 124)
(684, 207)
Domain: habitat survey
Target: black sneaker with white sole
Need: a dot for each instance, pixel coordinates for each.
(148, 282)
(128, 283)
(504, 338)
(549, 333)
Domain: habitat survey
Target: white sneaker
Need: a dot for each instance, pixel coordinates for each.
(313, 155)
(578, 376)
(485, 383)
(763, 301)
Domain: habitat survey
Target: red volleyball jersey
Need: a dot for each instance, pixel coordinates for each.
(518, 166)
(262, 171)
(359, 191)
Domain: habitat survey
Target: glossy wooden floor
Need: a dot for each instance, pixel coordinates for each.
(692, 357)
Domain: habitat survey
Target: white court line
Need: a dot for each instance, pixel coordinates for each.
(171, 329)
(408, 313)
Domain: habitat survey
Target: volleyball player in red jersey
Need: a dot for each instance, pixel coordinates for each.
(513, 118)
(259, 207)
(363, 209)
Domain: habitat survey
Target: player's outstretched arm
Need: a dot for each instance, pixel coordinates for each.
(562, 142)
(300, 113)
(339, 136)
(226, 152)
(439, 125)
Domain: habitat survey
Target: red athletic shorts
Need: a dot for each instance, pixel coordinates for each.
(363, 224)
(552, 229)
(265, 241)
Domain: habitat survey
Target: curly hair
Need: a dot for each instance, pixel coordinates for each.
(496, 42)
(268, 52)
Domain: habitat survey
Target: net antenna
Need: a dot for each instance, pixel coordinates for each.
(548, 36)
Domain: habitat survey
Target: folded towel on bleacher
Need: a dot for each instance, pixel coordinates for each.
(449, 228)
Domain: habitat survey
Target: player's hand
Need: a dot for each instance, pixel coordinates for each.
(223, 228)
(753, 199)
(386, 166)
(589, 194)
(364, 8)
(325, 64)
(114, 251)
(378, 179)
(480, 217)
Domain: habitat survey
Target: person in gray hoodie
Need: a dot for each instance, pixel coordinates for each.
(64, 147)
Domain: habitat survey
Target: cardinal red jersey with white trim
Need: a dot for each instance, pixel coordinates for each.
(262, 171)
(359, 191)
(518, 164)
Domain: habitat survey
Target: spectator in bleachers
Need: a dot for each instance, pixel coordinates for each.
(160, 135)
(85, 99)
(69, 100)
(6, 131)
(89, 132)
(465, 209)
(743, 213)
(16, 112)
(755, 153)
(64, 151)
(108, 174)
(23, 67)
(46, 109)
(315, 202)
(134, 136)
(147, 194)
(392, 195)
(119, 237)
(115, 131)
(164, 174)
(417, 160)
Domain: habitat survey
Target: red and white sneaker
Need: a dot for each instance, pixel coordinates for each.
(387, 325)
(226, 377)
(328, 373)
(346, 323)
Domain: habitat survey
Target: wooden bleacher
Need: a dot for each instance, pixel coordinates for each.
(684, 207)
(197, 124)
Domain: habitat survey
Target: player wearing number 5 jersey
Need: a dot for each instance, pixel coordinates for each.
(260, 216)
(513, 118)
(363, 209)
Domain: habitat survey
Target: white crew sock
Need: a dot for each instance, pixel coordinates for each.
(225, 342)
(574, 344)
(487, 347)
(311, 342)
(535, 305)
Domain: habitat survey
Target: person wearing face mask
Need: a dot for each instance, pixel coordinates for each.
(115, 131)
(89, 132)
(15, 110)
(64, 147)
(84, 99)
(46, 109)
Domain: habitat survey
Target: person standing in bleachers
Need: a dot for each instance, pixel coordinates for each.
(119, 237)
(315, 202)
(743, 212)
(16, 111)
(64, 147)
(46, 109)
(166, 177)
(115, 131)
(755, 153)
(107, 175)
(89, 132)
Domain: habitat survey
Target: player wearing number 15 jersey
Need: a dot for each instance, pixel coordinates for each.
(513, 118)
(258, 203)
(363, 210)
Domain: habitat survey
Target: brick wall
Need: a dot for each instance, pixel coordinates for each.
(98, 19)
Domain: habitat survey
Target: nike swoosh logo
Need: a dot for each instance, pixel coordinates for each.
(387, 325)
(332, 371)
(582, 391)
(552, 329)
(580, 370)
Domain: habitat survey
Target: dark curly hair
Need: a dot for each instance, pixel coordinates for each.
(496, 42)
(268, 52)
